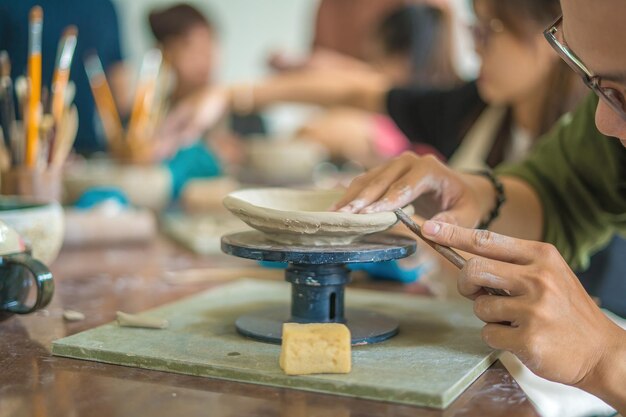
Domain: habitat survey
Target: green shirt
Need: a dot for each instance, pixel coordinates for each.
(580, 177)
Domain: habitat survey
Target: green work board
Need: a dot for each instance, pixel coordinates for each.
(437, 354)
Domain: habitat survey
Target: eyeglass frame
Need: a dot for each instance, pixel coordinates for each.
(591, 80)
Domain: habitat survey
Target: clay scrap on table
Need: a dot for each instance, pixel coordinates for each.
(289, 216)
(146, 322)
(71, 315)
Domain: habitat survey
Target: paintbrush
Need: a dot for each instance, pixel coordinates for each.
(19, 147)
(46, 134)
(105, 104)
(45, 101)
(143, 104)
(5, 158)
(162, 92)
(61, 76)
(66, 134)
(60, 82)
(70, 93)
(34, 76)
(450, 254)
(7, 109)
(21, 92)
(68, 99)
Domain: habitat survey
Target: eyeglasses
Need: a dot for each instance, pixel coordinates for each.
(612, 97)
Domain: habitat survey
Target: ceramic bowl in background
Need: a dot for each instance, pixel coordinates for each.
(283, 161)
(40, 224)
(146, 186)
(290, 216)
(202, 195)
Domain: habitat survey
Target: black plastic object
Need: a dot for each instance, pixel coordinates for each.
(318, 277)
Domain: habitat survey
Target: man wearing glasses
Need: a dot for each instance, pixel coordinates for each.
(571, 193)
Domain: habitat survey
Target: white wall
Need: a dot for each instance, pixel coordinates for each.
(249, 30)
(465, 60)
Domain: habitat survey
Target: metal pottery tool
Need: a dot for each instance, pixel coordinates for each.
(318, 276)
(445, 251)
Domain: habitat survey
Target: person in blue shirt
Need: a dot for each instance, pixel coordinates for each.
(98, 30)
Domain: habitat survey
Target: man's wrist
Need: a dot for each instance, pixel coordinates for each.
(500, 198)
(608, 379)
(484, 192)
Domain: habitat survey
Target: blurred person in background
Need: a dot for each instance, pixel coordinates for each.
(411, 46)
(341, 31)
(411, 40)
(342, 25)
(523, 88)
(190, 44)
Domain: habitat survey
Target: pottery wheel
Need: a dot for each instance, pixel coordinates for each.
(318, 276)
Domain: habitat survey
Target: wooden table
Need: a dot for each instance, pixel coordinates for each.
(100, 281)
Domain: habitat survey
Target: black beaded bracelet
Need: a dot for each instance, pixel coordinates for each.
(500, 198)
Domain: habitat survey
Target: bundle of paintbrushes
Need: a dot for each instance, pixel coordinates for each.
(44, 138)
(133, 143)
(33, 150)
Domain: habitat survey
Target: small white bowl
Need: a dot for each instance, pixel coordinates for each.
(301, 216)
(40, 223)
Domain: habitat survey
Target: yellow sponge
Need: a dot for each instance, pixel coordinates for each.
(319, 348)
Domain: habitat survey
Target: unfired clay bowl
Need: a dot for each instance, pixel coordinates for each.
(301, 217)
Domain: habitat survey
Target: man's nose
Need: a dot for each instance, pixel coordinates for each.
(610, 123)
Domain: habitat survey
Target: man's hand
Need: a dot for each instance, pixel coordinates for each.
(450, 196)
(555, 327)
